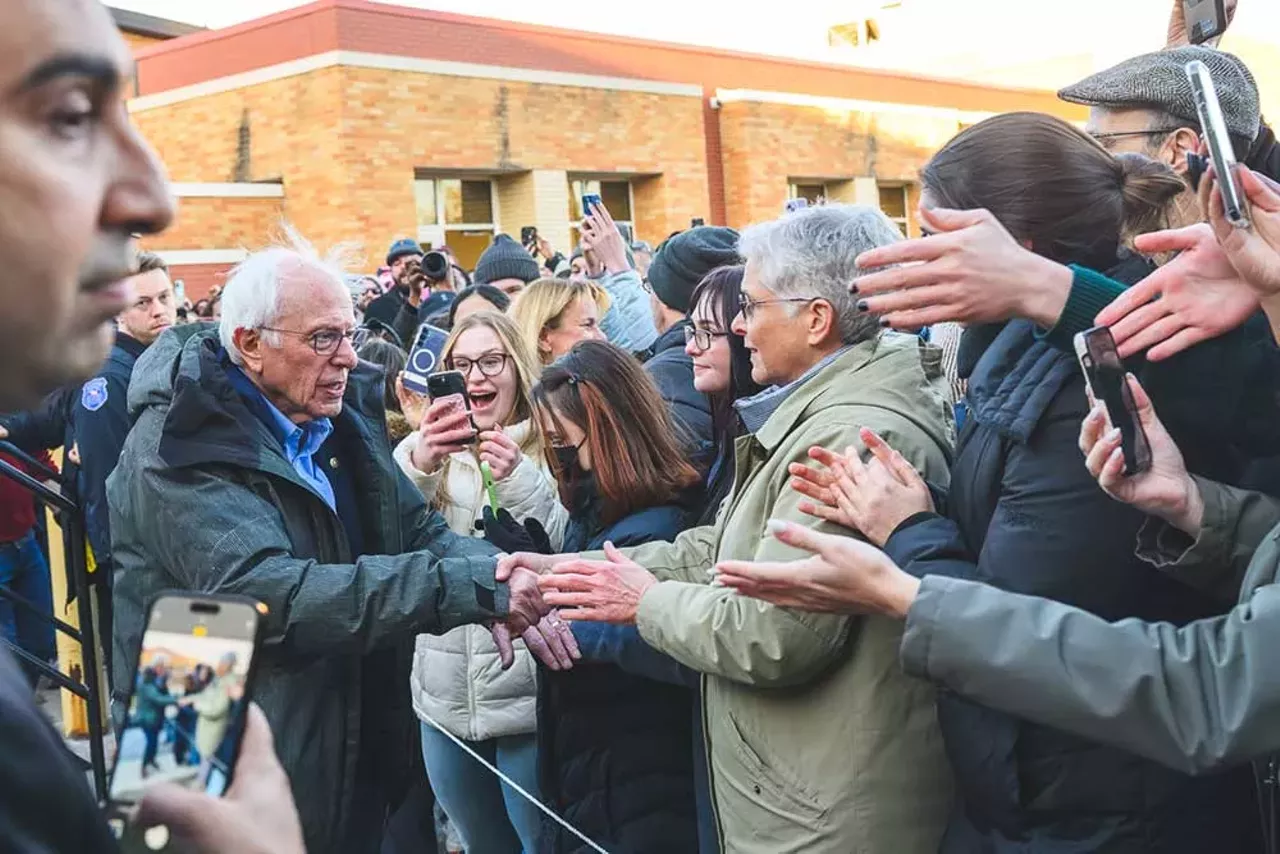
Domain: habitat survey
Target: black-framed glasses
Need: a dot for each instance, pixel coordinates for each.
(325, 342)
(749, 305)
(490, 364)
(1119, 134)
(701, 338)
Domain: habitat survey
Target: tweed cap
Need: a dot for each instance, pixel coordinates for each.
(1158, 81)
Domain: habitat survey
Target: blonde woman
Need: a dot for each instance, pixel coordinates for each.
(457, 680)
(555, 314)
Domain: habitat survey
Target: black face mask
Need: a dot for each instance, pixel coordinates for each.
(579, 484)
(567, 462)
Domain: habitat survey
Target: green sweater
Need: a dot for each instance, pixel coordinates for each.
(1091, 292)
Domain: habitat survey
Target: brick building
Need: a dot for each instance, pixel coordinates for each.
(363, 122)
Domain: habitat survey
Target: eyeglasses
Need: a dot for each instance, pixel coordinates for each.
(701, 338)
(1120, 133)
(490, 364)
(749, 305)
(325, 342)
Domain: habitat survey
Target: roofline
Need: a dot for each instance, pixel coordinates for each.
(394, 10)
(150, 25)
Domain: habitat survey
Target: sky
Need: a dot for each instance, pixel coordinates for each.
(940, 37)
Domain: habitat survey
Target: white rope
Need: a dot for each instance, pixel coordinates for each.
(513, 784)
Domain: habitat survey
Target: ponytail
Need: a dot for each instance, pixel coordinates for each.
(1147, 190)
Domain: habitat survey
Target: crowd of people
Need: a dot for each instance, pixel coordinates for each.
(804, 538)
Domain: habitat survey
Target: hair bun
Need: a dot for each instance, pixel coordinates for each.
(1147, 189)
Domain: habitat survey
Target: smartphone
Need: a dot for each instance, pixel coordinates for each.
(590, 201)
(450, 384)
(187, 704)
(424, 357)
(697, 221)
(1215, 134)
(794, 205)
(1206, 19)
(1105, 375)
(528, 236)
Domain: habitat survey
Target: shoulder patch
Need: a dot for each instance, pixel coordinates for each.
(94, 394)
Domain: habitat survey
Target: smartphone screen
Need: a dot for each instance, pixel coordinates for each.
(424, 357)
(187, 710)
(591, 201)
(1105, 374)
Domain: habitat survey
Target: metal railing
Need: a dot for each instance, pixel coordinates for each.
(73, 537)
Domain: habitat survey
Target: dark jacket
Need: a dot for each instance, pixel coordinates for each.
(1025, 515)
(47, 804)
(1264, 155)
(152, 699)
(100, 421)
(204, 499)
(672, 371)
(46, 427)
(615, 748)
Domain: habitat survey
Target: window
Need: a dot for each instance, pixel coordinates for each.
(893, 201)
(813, 192)
(616, 196)
(458, 212)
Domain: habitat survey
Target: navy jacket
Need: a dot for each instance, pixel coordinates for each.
(615, 748)
(1024, 515)
(100, 422)
(672, 371)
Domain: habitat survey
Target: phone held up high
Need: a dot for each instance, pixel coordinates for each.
(194, 679)
(591, 201)
(1221, 153)
(794, 205)
(1105, 375)
(528, 236)
(424, 357)
(1205, 19)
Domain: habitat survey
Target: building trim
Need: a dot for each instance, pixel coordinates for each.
(228, 191)
(798, 99)
(187, 257)
(388, 62)
(142, 24)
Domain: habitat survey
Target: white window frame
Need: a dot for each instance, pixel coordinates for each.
(793, 189)
(631, 203)
(904, 222)
(431, 234)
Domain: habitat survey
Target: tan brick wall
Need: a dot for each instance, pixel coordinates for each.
(222, 223)
(766, 145)
(136, 42)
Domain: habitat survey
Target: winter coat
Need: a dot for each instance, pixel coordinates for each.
(615, 745)
(1025, 515)
(672, 371)
(457, 679)
(204, 499)
(817, 741)
(629, 321)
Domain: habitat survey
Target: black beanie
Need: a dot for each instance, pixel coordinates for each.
(682, 261)
(505, 259)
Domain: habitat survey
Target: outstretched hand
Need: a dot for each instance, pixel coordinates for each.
(843, 576)
(604, 591)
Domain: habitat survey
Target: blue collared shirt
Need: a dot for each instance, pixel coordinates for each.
(755, 410)
(300, 442)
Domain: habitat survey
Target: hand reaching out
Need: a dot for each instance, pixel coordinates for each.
(601, 236)
(607, 591)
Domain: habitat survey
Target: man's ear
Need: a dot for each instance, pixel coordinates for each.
(250, 344)
(1176, 147)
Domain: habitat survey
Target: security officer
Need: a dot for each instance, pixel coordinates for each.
(100, 418)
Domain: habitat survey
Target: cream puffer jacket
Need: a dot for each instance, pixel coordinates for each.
(457, 679)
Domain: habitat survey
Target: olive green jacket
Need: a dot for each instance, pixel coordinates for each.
(817, 742)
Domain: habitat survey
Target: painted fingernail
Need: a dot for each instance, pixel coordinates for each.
(853, 289)
(862, 305)
(775, 526)
(1113, 434)
(884, 323)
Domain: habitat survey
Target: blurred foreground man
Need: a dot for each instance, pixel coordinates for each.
(258, 464)
(75, 182)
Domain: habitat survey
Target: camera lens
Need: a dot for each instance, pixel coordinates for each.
(435, 266)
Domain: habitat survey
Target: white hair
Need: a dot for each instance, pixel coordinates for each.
(812, 253)
(254, 292)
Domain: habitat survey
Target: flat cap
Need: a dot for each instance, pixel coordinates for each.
(1158, 81)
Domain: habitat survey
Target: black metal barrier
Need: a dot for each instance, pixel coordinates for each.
(73, 541)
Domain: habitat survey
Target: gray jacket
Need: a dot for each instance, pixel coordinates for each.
(203, 499)
(1196, 698)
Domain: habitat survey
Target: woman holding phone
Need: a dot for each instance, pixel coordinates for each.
(1024, 513)
(457, 681)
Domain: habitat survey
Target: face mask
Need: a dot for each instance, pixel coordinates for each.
(567, 463)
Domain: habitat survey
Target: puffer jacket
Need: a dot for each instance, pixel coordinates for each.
(1025, 515)
(457, 679)
(672, 371)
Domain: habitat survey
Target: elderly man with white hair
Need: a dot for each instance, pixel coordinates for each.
(817, 742)
(258, 464)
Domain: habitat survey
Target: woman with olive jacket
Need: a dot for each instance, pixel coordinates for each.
(457, 680)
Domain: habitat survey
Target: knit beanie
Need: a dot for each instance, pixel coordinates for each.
(505, 259)
(682, 261)
(403, 246)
